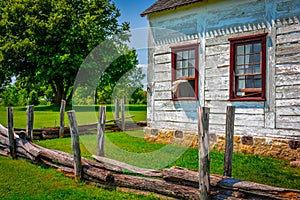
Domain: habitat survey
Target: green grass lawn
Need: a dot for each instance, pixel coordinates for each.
(48, 116)
(21, 179)
(131, 148)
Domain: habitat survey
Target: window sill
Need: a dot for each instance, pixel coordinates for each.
(248, 99)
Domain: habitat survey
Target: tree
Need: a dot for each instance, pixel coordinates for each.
(33, 98)
(13, 96)
(48, 40)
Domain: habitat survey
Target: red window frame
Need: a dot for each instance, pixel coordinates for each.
(249, 94)
(175, 50)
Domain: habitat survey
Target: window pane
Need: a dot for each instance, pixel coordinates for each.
(248, 59)
(185, 64)
(240, 60)
(257, 58)
(240, 82)
(240, 49)
(192, 54)
(185, 72)
(248, 69)
(191, 71)
(192, 63)
(240, 69)
(185, 55)
(248, 48)
(257, 82)
(249, 82)
(179, 55)
(256, 68)
(178, 73)
(179, 65)
(257, 47)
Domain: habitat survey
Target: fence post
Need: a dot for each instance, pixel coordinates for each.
(62, 118)
(101, 130)
(123, 113)
(75, 144)
(11, 137)
(204, 155)
(230, 113)
(117, 111)
(29, 125)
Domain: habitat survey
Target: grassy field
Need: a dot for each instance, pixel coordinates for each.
(48, 116)
(22, 180)
(131, 148)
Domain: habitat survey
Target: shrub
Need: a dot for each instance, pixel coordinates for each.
(11, 96)
(34, 98)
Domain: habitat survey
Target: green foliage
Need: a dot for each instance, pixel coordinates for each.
(104, 95)
(83, 96)
(33, 98)
(139, 97)
(48, 40)
(13, 96)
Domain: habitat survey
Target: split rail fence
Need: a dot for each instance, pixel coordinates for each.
(116, 124)
(174, 182)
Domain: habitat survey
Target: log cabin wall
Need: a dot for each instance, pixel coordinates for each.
(274, 123)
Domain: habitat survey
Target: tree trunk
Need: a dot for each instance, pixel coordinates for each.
(61, 92)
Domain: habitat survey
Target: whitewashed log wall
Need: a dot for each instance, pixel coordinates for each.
(211, 23)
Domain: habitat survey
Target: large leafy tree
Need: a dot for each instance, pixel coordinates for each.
(47, 41)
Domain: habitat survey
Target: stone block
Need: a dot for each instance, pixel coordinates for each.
(154, 132)
(259, 141)
(237, 139)
(295, 164)
(150, 138)
(165, 136)
(247, 140)
(178, 134)
(294, 144)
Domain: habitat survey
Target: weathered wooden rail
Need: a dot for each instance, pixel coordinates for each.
(110, 125)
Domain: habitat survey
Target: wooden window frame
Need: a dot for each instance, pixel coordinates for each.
(258, 38)
(174, 51)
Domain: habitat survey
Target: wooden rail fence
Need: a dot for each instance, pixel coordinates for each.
(174, 182)
(116, 124)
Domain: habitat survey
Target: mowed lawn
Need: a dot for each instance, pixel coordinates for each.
(48, 116)
(21, 179)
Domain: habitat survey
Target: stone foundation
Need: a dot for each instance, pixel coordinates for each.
(287, 149)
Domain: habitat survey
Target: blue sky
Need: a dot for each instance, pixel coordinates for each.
(131, 10)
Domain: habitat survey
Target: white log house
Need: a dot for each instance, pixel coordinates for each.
(218, 53)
